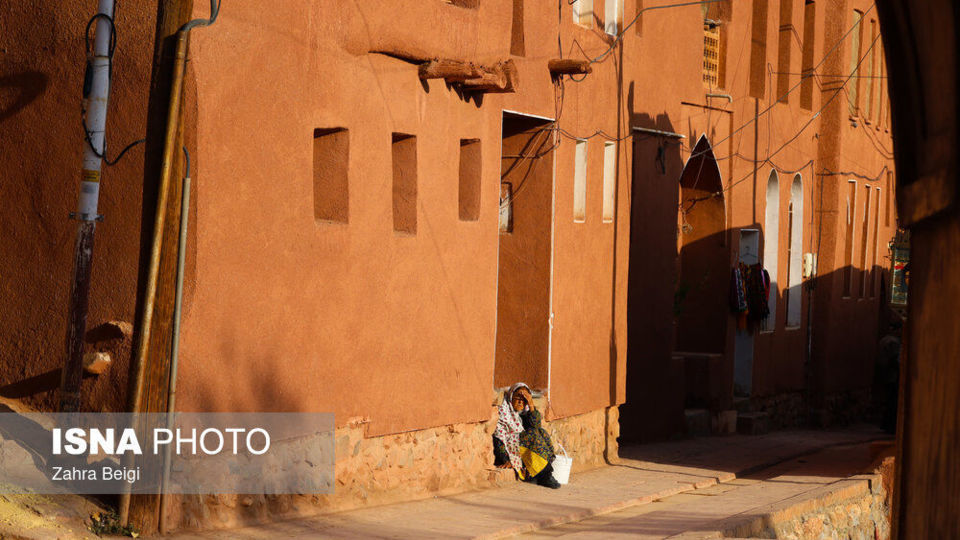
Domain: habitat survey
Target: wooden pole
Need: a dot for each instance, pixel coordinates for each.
(143, 510)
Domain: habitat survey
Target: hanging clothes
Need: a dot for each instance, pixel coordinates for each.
(757, 291)
(738, 296)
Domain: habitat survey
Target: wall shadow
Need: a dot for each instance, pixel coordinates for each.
(19, 90)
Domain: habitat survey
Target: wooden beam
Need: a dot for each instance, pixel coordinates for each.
(500, 78)
(450, 70)
(568, 66)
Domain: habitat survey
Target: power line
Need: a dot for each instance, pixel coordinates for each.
(793, 138)
(794, 87)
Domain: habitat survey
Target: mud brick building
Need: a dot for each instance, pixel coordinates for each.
(400, 208)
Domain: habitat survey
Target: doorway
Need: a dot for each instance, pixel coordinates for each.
(743, 340)
(704, 256)
(525, 252)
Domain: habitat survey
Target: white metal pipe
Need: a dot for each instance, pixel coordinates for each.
(95, 105)
(96, 117)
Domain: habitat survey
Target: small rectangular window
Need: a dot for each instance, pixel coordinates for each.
(881, 115)
(331, 157)
(404, 183)
(580, 182)
(613, 14)
(853, 86)
(469, 179)
(785, 49)
(638, 22)
(609, 180)
(758, 49)
(506, 207)
(848, 241)
(517, 47)
(886, 217)
(806, 59)
(583, 13)
(864, 239)
(711, 55)
(868, 76)
(874, 270)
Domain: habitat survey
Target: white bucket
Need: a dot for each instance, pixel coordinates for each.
(561, 466)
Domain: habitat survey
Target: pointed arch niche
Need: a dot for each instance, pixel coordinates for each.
(795, 260)
(771, 247)
(704, 255)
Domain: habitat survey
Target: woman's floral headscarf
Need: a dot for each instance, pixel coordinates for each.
(509, 428)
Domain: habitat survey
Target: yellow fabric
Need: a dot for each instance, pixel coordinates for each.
(532, 461)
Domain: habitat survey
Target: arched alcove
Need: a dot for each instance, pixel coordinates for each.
(771, 246)
(704, 255)
(795, 260)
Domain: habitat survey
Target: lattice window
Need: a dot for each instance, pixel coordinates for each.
(711, 56)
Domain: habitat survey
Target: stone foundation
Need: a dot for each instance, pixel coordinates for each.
(855, 509)
(791, 409)
(785, 410)
(406, 466)
(864, 517)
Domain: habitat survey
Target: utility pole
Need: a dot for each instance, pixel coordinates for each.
(96, 94)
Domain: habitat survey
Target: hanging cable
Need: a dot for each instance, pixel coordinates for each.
(87, 82)
(794, 137)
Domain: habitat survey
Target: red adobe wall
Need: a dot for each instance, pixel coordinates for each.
(41, 75)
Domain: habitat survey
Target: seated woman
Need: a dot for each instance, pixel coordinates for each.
(520, 440)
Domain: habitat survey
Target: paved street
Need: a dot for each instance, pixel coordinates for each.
(692, 486)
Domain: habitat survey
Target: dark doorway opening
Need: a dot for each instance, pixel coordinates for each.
(523, 283)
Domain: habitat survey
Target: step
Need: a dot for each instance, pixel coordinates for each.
(697, 422)
(753, 423)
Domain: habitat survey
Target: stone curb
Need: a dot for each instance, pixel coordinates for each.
(860, 481)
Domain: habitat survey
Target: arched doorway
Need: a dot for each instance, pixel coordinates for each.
(701, 304)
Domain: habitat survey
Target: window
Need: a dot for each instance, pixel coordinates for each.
(881, 115)
(785, 47)
(331, 158)
(795, 254)
(758, 49)
(875, 245)
(868, 76)
(864, 235)
(583, 13)
(711, 55)
(848, 242)
(638, 24)
(853, 86)
(609, 180)
(404, 149)
(517, 47)
(771, 247)
(469, 179)
(613, 14)
(806, 60)
(580, 182)
(886, 217)
(506, 207)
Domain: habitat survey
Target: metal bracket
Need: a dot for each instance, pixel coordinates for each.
(86, 217)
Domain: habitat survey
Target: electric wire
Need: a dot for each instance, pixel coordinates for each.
(789, 141)
(797, 85)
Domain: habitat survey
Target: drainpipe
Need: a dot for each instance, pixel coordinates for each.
(727, 97)
(175, 345)
(95, 103)
(166, 172)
